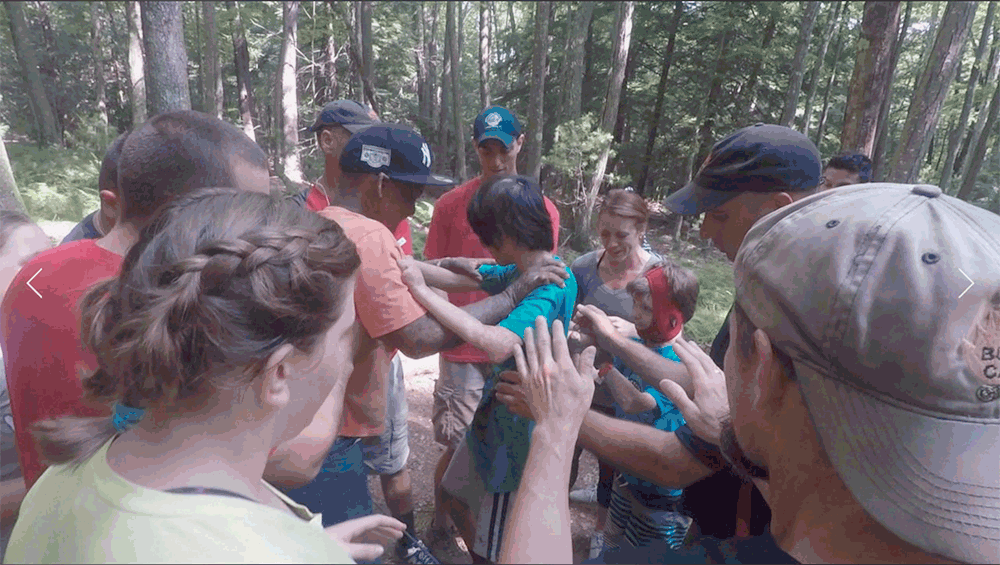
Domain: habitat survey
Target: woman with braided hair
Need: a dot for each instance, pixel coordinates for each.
(231, 321)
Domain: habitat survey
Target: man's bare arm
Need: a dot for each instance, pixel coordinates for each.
(646, 363)
(644, 451)
(427, 336)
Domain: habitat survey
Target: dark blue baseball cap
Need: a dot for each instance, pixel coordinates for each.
(761, 158)
(395, 150)
(348, 113)
(496, 122)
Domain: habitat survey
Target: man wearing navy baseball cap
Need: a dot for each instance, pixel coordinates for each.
(748, 174)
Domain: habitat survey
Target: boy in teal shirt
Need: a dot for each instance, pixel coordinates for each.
(508, 215)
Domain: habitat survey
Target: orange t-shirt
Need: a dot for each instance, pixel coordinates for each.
(384, 304)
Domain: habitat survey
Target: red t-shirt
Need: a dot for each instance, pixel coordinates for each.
(450, 235)
(44, 356)
(316, 200)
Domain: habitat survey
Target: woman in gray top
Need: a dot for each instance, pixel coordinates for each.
(20, 240)
(601, 277)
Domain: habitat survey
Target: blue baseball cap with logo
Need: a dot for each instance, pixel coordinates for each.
(496, 122)
(353, 116)
(394, 150)
(761, 158)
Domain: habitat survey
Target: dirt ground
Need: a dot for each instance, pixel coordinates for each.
(420, 375)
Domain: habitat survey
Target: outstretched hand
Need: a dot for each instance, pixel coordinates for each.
(412, 276)
(593, 320)
(468, 266)
(548, 386)
(363, 538)
(709, 408)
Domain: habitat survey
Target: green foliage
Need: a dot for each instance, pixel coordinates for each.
(577, 146)
(715, 296)
(419, 222)
(57, 184)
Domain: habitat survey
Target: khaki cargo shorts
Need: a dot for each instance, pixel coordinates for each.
(457, 393)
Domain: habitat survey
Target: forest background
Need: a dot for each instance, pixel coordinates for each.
(611, 94)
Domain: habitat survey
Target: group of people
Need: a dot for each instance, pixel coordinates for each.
(208, 371)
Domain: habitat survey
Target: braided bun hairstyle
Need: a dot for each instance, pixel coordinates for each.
(219, 279)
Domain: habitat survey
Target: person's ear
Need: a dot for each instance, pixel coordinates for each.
(110, 205)
(273, 390)
(327, 140)
(768, 379)
(776, 201)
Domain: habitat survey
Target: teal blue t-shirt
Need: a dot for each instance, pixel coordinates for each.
(664, 417)
(498, 439)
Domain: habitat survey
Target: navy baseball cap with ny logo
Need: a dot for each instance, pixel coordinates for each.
(394, 150)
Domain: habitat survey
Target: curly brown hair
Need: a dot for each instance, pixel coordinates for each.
(220, 278)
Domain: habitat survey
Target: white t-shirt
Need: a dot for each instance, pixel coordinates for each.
(93, 515)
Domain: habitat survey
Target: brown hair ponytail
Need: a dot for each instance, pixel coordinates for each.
(219, 279)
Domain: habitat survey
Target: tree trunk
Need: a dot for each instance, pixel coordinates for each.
(10, 197)
(623, 102)
(456, 95)
(99, 79)
(166, 57)
(976, 156)
(882, 137)
(831, 26)
(357, 48)
(484, 55)
(241, 60)
(213, 71)
(929, 36)
(420, 60)
(198, 98)
(48, 132)
(623, 40)
(332, 85)
(444, 123)
(703, 124)
(870, 81)
(536, 97)
(970, 90)
(977, 130)
(811, 9)
(367, 56)
(832, 81)
(748, 94)
(932, 89)
(661, 90)
(433, 86)
(136, 63)
(575, 60)
(288, 85)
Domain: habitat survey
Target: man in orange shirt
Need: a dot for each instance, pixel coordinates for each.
(498, 137)
(383, 171)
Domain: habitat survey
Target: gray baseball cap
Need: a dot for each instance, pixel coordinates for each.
(887, 298)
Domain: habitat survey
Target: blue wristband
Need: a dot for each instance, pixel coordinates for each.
(126, 416)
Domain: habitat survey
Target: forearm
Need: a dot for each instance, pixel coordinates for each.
(641, 450)
(646, 363)
(12, 492)
(497, 342)
(538, 529)
(438, 277)
(626, 395)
